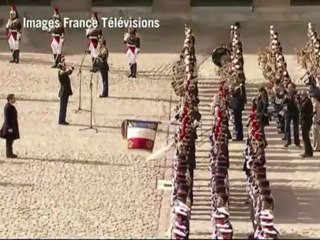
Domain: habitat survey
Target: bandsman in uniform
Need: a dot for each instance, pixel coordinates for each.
(57, 33)
(13, 30)
(132, 40)
(94, 34)
(103, 66)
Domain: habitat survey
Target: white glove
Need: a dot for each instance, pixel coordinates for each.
(10, 130)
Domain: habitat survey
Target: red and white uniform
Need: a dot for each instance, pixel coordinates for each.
(133, 46)
(13, 30)
(57, 34)
(94, 35)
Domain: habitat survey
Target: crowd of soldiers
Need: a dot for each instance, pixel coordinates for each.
(291, 107)
(219, 164)
(97, 46)
(231, 95)
(187, 119)
(231, 71)
(260, 199)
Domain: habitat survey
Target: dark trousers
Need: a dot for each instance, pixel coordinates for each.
(105, 81)
(306, 139)
(294, 118)
(9, 143)
(237, 114)
(263, 133)
(63, 108)
(191, 171)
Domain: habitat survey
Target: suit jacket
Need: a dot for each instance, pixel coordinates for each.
(306, 112)
(262, 110)
(10, 122)
(65, 84)
(238, 99)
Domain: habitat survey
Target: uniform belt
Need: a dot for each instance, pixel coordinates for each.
(56, 35)
(93, 37)
(129, 45)
(13, 30)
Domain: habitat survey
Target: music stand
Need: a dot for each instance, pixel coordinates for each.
(91, 107)
(80, 80)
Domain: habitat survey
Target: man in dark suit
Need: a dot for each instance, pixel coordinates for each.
(262, 111)
(291, 115)
(306, 115)
(10, 127)
(237, 105)
(65, 91)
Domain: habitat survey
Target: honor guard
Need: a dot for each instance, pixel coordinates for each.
(102, 64)
(13, 30)
(57, 33)
(94, 33)
(132, 39)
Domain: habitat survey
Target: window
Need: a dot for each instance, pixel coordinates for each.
(122, 3)
(29, 2)
(221, 3)
(304, 2)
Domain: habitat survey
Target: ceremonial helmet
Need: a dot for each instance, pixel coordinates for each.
(94, 17)
(56, 14)
(13, 12)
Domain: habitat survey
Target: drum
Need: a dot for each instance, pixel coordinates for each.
(221, 56)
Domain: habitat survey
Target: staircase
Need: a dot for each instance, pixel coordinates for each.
(200, 225)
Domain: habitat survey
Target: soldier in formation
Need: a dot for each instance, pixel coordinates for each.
(132, 41)
(57, 33)
(260, 199)
(219, 165)
(187, 118)
(94, 35)
(13, 32)
(237, 82)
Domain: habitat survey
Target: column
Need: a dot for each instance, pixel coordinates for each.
(171, 6)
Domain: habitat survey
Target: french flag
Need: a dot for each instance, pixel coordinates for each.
(141, 134)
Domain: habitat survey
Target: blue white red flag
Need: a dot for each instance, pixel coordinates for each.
(140, 134)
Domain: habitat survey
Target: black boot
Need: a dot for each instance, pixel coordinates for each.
(134, 70)
(14, 54)
(9, 152)
(17, 56)
(58, 59)
(54, 61)
(93, 69)
(131, 70)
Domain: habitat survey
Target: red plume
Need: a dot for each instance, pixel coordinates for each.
(14, 8)
(95, 14)
(56, 10)
(257, 136)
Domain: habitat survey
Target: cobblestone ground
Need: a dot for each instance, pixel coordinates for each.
(68, 183)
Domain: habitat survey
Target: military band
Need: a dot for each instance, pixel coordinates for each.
(132, 41)
(184, 159)
(13, 31)
(57, 33)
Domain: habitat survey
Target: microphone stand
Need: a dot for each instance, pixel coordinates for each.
(91, 108)
(80, 80)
